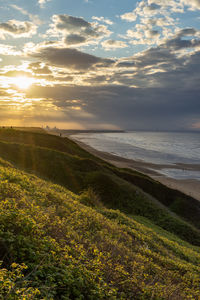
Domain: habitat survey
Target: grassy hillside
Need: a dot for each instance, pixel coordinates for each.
(57, 245)
(62, 161)
(41, 139)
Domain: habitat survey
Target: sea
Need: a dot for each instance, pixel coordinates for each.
(161, 148)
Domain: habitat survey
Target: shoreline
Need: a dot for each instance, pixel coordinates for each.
(190, 187)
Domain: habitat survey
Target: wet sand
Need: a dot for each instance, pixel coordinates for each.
(190, 187)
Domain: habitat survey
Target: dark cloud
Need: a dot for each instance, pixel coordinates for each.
(152, 58)
(153, 7)
(73, 39)
(179, 42)
(70, 23)
(97, 79)
(153, 33)
(130, 108)
(70, 58)
(187, 31)
(165, 55)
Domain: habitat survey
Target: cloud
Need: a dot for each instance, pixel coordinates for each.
(143, 34)
(143, 8)
(177, 6)
(9, 50)
(74, 39)
(42, 2)
(165, 6)
(75, 30)
(69, 58)
(103, 20)
(17, 29)
(192, 4)
(179, 42)
(70, 23)
(32, 17)
(113, 44)
(129, 108)
(39, 68)
(154, 21)
(156, 88)
(15, 73)
(130, 16)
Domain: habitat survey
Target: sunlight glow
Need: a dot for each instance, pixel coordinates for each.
(23, 82)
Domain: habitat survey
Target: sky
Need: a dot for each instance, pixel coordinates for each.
(109, 64)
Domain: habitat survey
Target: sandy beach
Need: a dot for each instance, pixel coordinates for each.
(190, 187)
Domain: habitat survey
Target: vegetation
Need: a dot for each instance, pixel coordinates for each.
(108, 240)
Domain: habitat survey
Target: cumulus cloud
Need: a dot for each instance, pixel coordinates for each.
(17, 29)
(130, 16)
(175, 6)
(155, 21)
(143, 34)
(113, 44)
(76, 30)
(143, 8)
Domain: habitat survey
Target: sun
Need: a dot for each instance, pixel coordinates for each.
(23, 82)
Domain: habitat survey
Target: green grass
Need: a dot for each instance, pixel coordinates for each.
(42, 139)
(53, 246)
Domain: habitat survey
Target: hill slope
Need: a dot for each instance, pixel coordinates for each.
(77, 170)
(57, 245)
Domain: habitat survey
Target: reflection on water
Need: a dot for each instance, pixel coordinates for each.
(155, 147)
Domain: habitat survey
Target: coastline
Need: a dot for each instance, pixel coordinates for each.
(189, 187)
